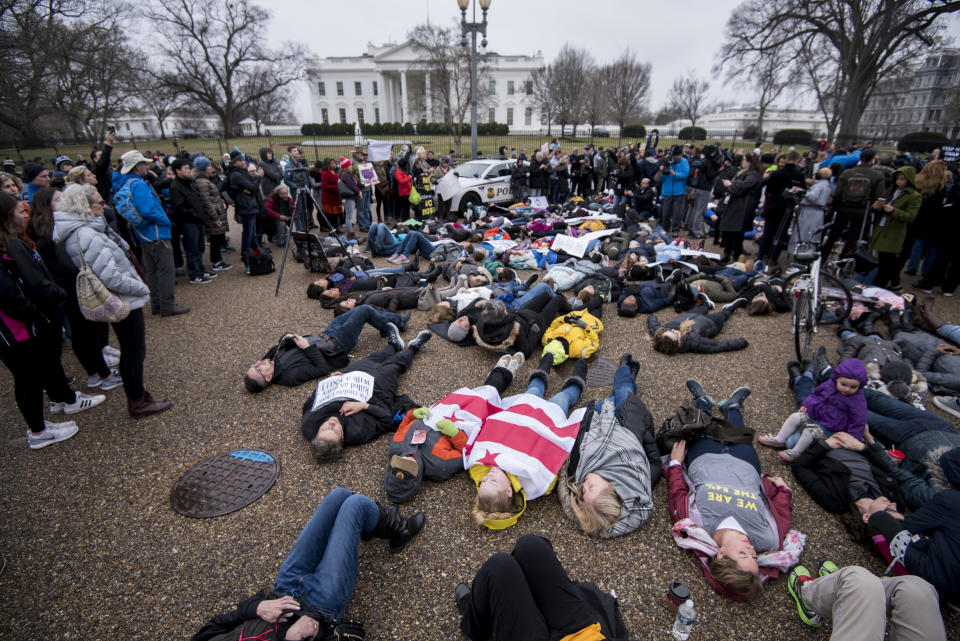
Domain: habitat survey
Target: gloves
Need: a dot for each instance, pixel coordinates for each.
(447, 427)
(575, 321)
(421, 413)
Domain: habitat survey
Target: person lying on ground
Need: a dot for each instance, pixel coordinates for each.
(527, 596)
(937, 360)
(576, 334)
(331, 425)
(332, 289)
(297, 359)
(492, 326)
(607, 485)
(315, 583)
(694, 331)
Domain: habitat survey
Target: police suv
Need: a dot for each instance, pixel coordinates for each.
(483, 181)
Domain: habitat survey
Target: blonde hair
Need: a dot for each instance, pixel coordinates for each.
(604, 512)
(74, 200)
(5, 178)
(441, 314)
(932, 178)
(75, 175)
(495, 508)
(728, 573)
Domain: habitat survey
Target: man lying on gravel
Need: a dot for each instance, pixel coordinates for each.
(297, 359)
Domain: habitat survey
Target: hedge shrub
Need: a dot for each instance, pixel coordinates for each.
(922, 142)
(692, 133)
(793, 137)
(634, 131)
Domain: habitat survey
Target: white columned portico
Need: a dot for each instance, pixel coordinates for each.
(381, 98)
(387, 99)
(429, 99)
(404, 114)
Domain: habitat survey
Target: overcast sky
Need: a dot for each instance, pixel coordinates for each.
(673, 35)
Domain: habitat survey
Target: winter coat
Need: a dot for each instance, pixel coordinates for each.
(404, 182)
(699, 340)
(870, 349)
(579, 342)
(810, 218)
(930, 220)
(245, 191)
(107, 260)
(438, 456)
(18, 314)
(273, 203)
(244, 620)
(519, 175)
(676, 184)
(626, 457)
(347, 179)
(876, 188)
(520, 331)
(744, 192)
(293, 366)
(779, 182)
(37, 282)
(272, 174)
(211, 204)
(836, 412)
(940, 370)
(329, 191)
(390, 300)
(185, 202)
(936, 555)
(891, 229)
(718, 288)
(625, 180)
(155, 224)
(102, 171)
(650, 296)
(827, 480)
(916, 483)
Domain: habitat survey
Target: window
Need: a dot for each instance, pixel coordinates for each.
(321, 89)
(357, 89)
(509, 87)
(339, 88)
(491, 115)
(493, 87)
(528, 116)
(510, 116)
(360, 115)
(325, 116)
(343, 115)
(376, 112)
(376, 90)
(528, 87)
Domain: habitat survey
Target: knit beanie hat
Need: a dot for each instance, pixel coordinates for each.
(201, 163)
(456, 333)
(235, 156)
(61, 161)
(494, 313)
(344, 162)
(403, 477)
(31, 170)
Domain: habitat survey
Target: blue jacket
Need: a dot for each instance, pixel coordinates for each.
(155, 225)
(676, 185)
(847, 160)
(29, 192)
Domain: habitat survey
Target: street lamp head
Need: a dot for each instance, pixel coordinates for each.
(483, 43)
(463, 4)
(484, 4)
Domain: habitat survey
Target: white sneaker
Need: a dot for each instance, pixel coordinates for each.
(93, 381)
(112, 381)
(52, 433)
(83, 402)
(111, 360)
(112, 351)
(949, 404)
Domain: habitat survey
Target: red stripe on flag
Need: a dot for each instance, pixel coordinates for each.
(476, 405)
(523, 440)
(540, 416)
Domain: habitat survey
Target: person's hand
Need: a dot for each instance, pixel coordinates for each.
(285, 219)
(336, 373)
(888, 208)
(272, 610)
(834, 443)
(300, 341)
(679, 452)
(218, 223)
(848, 442)
(111, 136)
(447, 427)
(776, 480)
(867, 436)
(628, 193)
(726, 182)
(803, 409)
(421, 413)
(943, 348)
(353, 407)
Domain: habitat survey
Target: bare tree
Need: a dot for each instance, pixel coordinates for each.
(541, 97)
(689, 96)
(272, 109)
(626, 85)
(866, 39)
(220, 51)
(594, 96)
(825, 79)
(667, 114)
(155, 97)
(567, 74)
(449, 66)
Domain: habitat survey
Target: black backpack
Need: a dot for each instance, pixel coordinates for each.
(856, 191)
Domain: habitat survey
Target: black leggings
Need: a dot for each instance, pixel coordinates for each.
(217, 242)
(888, 272)
(50, 347)
(88, 339)
(35, 366)
(525, 595)
(131, 334)
(732, 243)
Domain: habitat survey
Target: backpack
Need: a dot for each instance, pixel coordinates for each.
(693, 178)
(123, 203)
(856, 191)
(690, 424)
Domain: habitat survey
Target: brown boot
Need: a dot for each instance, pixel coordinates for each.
(146, 406)
(176, 310)
(930, 318)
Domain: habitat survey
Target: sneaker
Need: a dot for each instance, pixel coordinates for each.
(227, 249)
(795, 580)
(83, 402)
(736, 399)
(515, 362)
(696, 390)
(421, 339)
(735, 304)
(787, 455)
(94, 381)
(948, 294)
(210, 275)
(827, 568)
(404, 321)
(702, 295)
(56, 408)
(176, 310)
(462, 595)
(111, 351)
(949, 404)
(111, 360)
(504, 361)
(203, 280)
(392, 335)
(112, 381)
(52, 433)
(221, 266)
(760, 266)
(771, 441)
(921, 286)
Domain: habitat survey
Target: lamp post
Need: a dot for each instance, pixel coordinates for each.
(473, 28)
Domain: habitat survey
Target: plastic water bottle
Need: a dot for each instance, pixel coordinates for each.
(686, 615)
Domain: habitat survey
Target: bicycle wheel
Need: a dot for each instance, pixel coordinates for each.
(803, 325)
(834, 303)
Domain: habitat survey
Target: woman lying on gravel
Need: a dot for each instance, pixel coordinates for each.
(607, 485)
(316, 581)
(527, 596)
(734, 518)
(694, 331)
(492, 326)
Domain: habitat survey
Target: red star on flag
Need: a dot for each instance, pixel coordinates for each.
(453, 417)
(489, 459)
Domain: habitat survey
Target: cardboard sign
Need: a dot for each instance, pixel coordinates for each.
(353, 386)
(448, 186)
(500, 246)
(950, 153)
(578, 246)
(368, 176)
(377, 151)
(539, 202)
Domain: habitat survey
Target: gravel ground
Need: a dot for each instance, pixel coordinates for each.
(94, 551)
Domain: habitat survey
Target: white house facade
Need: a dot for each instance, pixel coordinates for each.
(391, 83)
(774, 119)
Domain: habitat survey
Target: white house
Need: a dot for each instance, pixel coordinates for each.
(142, 125)
(391, 83)
(736, 119)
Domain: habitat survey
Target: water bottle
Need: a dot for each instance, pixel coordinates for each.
(686, 615)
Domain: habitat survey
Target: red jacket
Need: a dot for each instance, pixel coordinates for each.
(329, 194)
(403, 183)
(270, 204)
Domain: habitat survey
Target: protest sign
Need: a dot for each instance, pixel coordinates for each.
(539, 202)
(448, 186)
(377, 150)
(368, 176)
(353, 386)
(578, 246)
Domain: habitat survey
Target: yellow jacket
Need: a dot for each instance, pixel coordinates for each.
(581, 342)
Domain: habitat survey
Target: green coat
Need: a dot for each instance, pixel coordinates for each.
(889, 236)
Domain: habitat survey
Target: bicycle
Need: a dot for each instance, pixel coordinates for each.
(819, 297)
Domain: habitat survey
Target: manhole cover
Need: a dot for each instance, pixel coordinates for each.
(601, 373)
(224, 483)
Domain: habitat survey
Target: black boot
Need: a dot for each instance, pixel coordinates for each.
(578, 377)
(906, 318)
(404, 321)
(543, 369)
(432, 275)
(866, 325)
(530, 281)
(821, 364)
(794, 371)
(413, 265)
(399, 530)
(627, 359)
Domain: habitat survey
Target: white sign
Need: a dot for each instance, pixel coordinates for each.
(368, 176)
(539, 202)
(377, 151)
(578, 246)
(500, 246)
(950, 153)
(353, 386)
(448, 186)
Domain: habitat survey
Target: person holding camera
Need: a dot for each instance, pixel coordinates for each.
(707, 170)
(245, 191)
(673, 189)
(781, 186)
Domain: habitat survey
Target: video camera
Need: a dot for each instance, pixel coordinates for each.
(300, 176)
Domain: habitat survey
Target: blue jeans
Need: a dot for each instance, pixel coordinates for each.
(567, 397)
(383, 271)
(532, 293)
(363, 210)
(892, 421)
(623, 387)
(193, 246)
(922, 250)
(248, 239)
(344, 330)
(950, 332)
(737, 276)
(321, 569)
(621, 199)
(742, 451)
(416, 242)
(380, 242)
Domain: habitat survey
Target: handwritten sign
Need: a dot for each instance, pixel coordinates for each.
(539, 202)
(353, 386)
(578, 246)
(368, 176)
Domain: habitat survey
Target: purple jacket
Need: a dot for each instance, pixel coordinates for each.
(836, 412)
